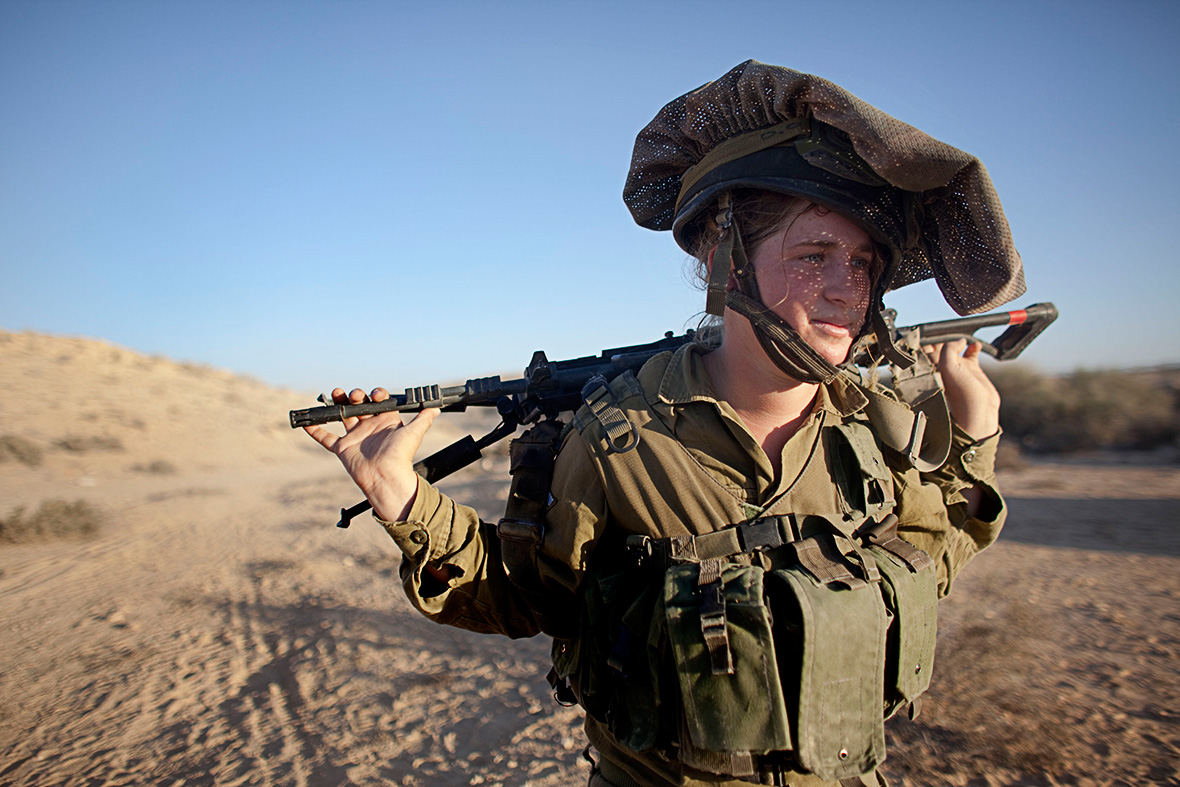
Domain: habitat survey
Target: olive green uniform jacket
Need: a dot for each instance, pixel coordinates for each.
(438, 532)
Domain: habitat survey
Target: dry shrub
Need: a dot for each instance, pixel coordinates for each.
(52, 519)
(156, 467)
(81, 445)
(1085, 410)
(19, 449)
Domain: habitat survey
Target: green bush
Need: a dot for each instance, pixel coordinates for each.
(1087, 409)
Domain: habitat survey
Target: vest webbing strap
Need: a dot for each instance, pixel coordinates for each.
(819, 555)
(713, 620)
(884, 535)
(621, 434)
(752, 536)
(740, 764)
(827, 569)
(522, 529)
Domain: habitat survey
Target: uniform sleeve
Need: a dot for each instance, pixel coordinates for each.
(932, 511)
(441, 534)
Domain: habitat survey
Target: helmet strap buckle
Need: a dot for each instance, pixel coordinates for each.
(723, 258)
(893, 352)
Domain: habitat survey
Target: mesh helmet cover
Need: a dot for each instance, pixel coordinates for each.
(962, 239)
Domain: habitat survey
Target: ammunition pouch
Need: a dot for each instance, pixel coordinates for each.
(722, 646)
(787, 655)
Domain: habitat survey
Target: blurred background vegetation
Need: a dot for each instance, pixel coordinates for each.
(1088, 410)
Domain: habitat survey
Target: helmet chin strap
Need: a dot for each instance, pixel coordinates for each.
(781, 343)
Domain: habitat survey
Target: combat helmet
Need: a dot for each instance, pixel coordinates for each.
(930, 206)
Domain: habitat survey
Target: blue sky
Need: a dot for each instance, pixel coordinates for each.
(382, 193)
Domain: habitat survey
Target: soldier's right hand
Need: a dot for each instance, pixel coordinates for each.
(378, 451)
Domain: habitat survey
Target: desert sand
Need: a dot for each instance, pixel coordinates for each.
(215, 628)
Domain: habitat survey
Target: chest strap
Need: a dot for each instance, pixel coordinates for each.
(748, 537)
(818, 553)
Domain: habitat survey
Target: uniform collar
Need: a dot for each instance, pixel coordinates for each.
(686, 380)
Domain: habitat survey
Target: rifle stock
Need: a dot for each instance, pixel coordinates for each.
(1024, 325)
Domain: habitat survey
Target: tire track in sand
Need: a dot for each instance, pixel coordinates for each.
(266, 708)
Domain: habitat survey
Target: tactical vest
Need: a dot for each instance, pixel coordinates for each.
(778, 641)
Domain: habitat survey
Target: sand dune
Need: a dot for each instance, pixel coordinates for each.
(216, 629)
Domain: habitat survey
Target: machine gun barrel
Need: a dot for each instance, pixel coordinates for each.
(479, 392)
(555, 386)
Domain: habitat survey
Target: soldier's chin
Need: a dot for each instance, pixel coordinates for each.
(833, 350)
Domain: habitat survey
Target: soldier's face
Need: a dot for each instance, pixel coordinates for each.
(817, 274)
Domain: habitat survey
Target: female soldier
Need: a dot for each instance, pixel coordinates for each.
(742, 545)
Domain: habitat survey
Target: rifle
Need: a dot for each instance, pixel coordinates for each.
(549, 388)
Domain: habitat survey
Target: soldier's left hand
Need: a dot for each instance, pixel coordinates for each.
(974, 402)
